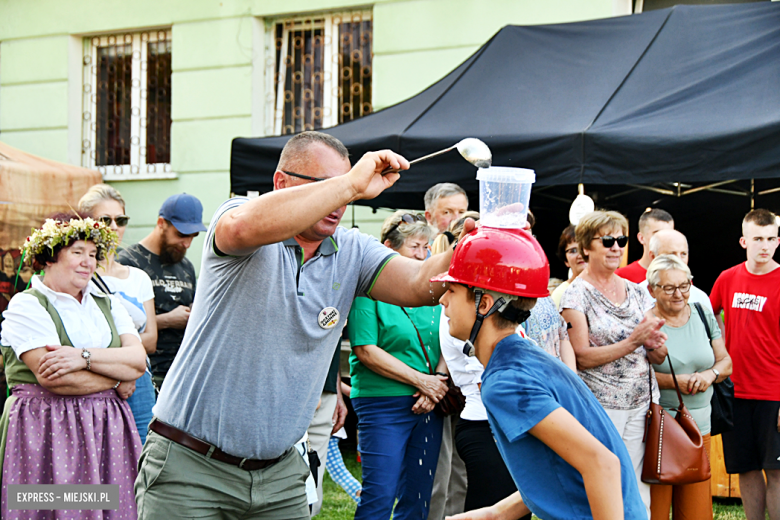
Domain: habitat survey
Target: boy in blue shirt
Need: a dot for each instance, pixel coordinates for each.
(561, 448)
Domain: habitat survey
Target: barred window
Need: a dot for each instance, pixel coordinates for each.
(319, 71)
(127, 105)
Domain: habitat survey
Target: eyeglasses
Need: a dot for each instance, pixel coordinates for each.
(407, 218)
(121, 220)
(608, 241)
(684, 288)
(301, 176)
(572, 251)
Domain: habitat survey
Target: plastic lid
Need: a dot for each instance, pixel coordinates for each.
(506, 174)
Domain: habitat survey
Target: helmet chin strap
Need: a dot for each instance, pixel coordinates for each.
(469, 348)
(501, 305)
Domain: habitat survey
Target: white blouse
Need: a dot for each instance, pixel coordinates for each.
(466, 371)
(133, 292)
(28, 326)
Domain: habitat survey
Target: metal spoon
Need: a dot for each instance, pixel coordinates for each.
(472, 149)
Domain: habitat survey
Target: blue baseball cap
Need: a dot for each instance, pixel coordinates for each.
(185, 212)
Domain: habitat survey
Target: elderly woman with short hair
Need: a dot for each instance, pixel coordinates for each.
(394, 389)
(611, 336)
(699, 359)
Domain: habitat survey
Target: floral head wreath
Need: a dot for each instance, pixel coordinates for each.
(54, 233)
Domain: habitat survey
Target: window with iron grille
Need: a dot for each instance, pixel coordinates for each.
(319, 71)
(126, 130)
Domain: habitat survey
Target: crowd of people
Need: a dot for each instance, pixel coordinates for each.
(226, 399)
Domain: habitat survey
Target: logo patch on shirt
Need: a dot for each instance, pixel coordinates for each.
(748, 301)
(328, 317)
(336, 286)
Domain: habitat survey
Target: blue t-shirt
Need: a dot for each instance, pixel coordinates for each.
(522, 385)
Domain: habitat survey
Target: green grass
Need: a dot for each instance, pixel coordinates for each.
(338, 506)
(728, 509)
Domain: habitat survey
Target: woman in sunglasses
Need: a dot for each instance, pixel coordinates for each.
(133, 287)
(394, 391)
(699, 357)
(611, 336)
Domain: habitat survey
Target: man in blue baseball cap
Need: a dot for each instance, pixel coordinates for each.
(161, 255)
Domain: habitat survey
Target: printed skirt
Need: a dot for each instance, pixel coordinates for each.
(85, 439)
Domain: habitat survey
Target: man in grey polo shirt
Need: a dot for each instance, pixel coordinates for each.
(278, 278)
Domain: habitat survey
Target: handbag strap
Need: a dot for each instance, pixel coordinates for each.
(101, 284)
(422, 344)
(674, 378)
(700, 310)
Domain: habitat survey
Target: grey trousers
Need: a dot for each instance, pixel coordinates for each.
(449, 485)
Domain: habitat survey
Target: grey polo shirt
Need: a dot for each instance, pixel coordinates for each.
(258, 345)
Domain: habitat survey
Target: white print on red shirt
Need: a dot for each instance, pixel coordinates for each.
(748, 301)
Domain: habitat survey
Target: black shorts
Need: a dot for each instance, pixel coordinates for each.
(754, 443)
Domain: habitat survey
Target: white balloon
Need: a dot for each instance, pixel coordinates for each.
(581, 206)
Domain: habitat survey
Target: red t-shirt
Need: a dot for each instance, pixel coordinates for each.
(751, 305)
(633, 272)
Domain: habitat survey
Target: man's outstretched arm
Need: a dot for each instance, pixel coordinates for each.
(406, 282)
(282, 214)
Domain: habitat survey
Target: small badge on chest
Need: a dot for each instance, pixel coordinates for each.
(328, 317)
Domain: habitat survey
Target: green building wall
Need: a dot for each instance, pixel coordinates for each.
(218, 67)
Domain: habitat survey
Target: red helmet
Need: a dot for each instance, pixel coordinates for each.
(508, 261)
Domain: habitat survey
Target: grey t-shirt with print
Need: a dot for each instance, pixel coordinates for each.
(254, 358)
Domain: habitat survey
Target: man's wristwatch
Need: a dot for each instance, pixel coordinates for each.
(717, 374)
(86, 354)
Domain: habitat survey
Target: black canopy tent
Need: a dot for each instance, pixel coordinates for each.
(668, 100)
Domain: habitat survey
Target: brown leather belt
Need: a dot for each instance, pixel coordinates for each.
(204, 448)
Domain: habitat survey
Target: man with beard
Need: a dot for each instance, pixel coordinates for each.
(161, 255)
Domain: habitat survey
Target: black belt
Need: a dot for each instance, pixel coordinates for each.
(204, 448)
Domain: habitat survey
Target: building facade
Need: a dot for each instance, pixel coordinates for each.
(151, 93)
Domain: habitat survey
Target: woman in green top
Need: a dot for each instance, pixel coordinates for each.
(394, 390)
(699, 361)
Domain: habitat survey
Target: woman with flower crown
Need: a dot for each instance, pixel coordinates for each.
(66, 422)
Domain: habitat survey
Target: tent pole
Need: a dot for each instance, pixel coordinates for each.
(752, 194)
(616, 195)
(707, 187)
(653, 188)
(767, 192)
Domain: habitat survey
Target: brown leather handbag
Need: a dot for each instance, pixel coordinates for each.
(674, 449)
(453, 401)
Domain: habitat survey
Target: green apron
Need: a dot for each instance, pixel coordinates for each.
(17, 373)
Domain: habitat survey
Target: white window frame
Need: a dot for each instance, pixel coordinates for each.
(138, 169)
(330, 85)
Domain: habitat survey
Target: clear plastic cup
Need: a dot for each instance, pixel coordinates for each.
(504, 194)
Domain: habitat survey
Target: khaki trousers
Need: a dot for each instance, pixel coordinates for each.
(319, 436)
(175, 482)
(449, 485)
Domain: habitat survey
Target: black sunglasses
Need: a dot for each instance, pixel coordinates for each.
(307, 177)
(608, 241)
(407, 218)
(121, 220)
